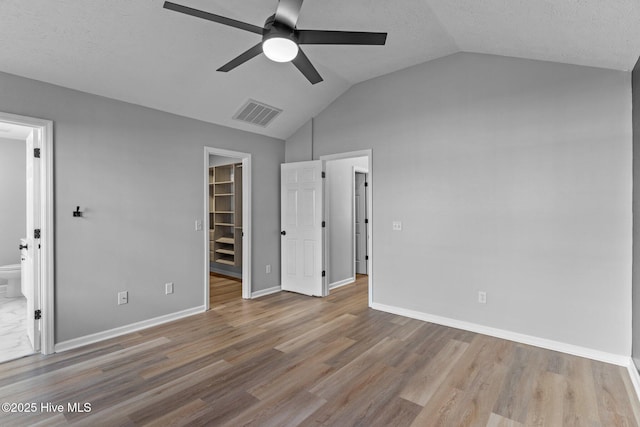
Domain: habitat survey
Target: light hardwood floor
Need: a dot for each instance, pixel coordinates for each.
(287, 359)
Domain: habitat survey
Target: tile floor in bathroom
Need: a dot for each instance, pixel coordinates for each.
(14, 342)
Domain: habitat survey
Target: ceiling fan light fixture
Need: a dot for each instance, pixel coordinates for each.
(280, 49)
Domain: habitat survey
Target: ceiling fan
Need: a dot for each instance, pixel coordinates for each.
(281, 39)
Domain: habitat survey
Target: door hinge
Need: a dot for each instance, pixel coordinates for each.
(36, 153)
(324, 175)
(366, 184)
(38, 314)
(324, 224)
(36, 233)
(366, 257)
(324, 273)
(366, 220)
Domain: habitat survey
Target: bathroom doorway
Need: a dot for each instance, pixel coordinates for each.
(227, 227)
(26, 236)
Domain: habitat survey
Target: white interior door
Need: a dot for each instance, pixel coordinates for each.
(360, 224)
(301, 198)
(31, 273)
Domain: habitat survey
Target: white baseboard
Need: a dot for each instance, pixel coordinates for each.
(226, 273)
(263, 292)
(339, 283)
(635, 377)
(122, 330)
(575, 350)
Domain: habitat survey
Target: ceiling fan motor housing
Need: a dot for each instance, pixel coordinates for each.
(274, 28)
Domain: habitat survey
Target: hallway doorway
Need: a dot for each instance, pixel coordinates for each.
(26, 263)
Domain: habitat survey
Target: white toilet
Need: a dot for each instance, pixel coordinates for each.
(12, 274)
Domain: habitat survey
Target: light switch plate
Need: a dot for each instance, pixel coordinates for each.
(396, 225)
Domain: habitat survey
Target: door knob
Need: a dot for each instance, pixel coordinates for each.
(283, 232)
(23, 246)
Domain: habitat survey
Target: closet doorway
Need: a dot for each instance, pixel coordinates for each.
(227, 231)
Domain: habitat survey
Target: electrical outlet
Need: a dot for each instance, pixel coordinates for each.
(396, 225)
(268, 268)
(123, 297)
(482, 297)
(168, 288)
(198, 225)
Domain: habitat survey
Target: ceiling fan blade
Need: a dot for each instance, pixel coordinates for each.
(241, 59)
(211, 17)
(288, 12)
(340, 37)
(303, 64)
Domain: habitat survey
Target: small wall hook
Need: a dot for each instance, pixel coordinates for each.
(77, 212)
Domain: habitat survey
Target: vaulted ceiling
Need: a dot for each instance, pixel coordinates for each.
(138, 52)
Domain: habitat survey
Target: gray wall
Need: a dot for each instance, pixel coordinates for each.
(635, 84)
(340, 217)
(510, 176)
(299, 145)
(13, 199)
(138, 175)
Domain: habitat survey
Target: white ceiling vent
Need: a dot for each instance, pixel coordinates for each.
(257, 113)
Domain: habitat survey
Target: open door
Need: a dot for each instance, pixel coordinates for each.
(301, 198)
(30, 268)
(360, 222)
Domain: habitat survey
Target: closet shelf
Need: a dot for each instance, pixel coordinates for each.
(225, 207)
(225, 251)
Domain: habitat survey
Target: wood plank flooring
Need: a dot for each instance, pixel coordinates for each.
(287, 360)
(223, 289)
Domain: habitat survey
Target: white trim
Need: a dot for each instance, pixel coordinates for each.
(233, 274)
(246, 219)
(263, 292)
(122, 330)
(634, 376)
(354, 244)
(575, 350)
(348, 155)
(246, 226)
(369, 154)
(325, 238)
(343, 282)
(47, 243)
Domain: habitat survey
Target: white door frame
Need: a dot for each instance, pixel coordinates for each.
(369, 154)
(246, 219)
(45, 199)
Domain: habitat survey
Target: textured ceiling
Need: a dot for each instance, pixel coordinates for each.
(138, 52)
